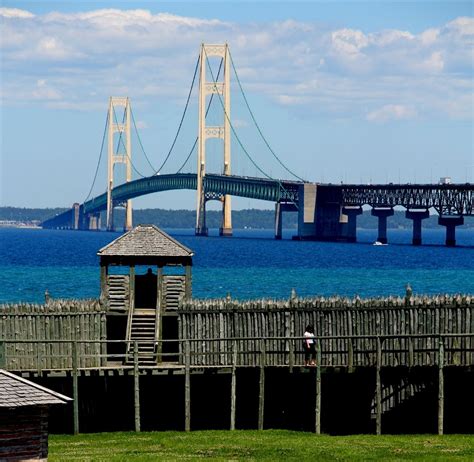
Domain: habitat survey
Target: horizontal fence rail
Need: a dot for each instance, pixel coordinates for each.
(334, 351)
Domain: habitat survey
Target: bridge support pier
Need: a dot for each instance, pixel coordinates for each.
(382, 214)
(352, 213)
(226, 229)
(307, 211)
(76, 216)
(201, 228)
(417, 216)
(94, 222)
(279, 209)
(320, 214)
(451, 222)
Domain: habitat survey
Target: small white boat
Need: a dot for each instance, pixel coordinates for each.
(378, 243)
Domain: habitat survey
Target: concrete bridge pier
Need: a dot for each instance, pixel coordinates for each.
(306, 212)
(201, 228)
(382, 214)
(226, 229)
(417, 216)
(320, 214)
(76, 216)
(279, 209)
(451, 222)
(352, 213)
(94, 222)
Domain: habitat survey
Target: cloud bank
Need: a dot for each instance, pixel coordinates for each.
(77, 60)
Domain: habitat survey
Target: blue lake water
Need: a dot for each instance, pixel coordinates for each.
(249, 265)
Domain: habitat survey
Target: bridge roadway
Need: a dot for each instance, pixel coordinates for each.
(318, 205)
(254, 188)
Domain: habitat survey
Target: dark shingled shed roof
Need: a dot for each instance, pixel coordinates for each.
(16, 391)
(145, 241)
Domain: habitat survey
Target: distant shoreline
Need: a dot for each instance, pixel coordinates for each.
(16, 217)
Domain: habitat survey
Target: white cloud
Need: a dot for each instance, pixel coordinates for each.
(463, 26)
(349, 42)
(391, 112)
(150, 57)
(429, 36)
(15, 13)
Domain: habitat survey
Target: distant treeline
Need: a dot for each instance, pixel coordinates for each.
(248, 218)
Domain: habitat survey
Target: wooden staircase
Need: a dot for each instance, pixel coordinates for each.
(142, 329)
(394, 394)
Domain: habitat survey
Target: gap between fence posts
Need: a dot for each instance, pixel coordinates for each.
(441, 387)
(136, 386)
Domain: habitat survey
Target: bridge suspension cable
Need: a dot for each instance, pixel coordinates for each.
(100, 158)
(181, 121)
(257, 125)
(238, 138)
(140, 140)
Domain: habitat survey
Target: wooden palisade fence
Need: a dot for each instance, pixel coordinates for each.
(409, 326)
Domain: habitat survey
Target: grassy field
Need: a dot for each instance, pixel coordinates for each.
(252, 445)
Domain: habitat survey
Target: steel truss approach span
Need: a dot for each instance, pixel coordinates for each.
(446, 199)
(253, 188)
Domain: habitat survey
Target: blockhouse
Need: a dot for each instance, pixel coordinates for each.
(142, 308)
(24, 408)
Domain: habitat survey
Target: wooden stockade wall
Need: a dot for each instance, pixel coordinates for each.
(265, 322)
(61, 321)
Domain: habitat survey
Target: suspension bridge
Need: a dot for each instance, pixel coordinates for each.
(325, 211)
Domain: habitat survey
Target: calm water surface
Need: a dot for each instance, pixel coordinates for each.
(249, 265)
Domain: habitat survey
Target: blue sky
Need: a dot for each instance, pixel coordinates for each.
(343, 91)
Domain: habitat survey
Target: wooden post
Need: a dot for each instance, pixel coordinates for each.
(38, 358)
(317, 413)
(411, 353)
(131, 287)
(441, 387)
(350, 355)
(136, 386)
(103, 283)
(188, 282)
(160, 308)
(291, 358)
(261, 390)
(187, 387)
(3, 359)
(378, 389)
(233, 386)
(75, 391)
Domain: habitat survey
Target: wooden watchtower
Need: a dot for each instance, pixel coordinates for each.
(142, 301)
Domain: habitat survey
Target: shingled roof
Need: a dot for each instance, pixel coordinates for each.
(145, 241)
(16, 391)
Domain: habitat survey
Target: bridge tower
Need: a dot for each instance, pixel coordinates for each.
(124, 157)
(222, 90)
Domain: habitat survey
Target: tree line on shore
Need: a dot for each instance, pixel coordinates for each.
(247, 218)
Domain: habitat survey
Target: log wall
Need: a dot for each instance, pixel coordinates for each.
(59, 321)
(331, 317)
(24, 433)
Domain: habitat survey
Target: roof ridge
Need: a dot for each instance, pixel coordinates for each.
(147, 239)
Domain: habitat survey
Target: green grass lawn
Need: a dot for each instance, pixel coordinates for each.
(252, 445)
